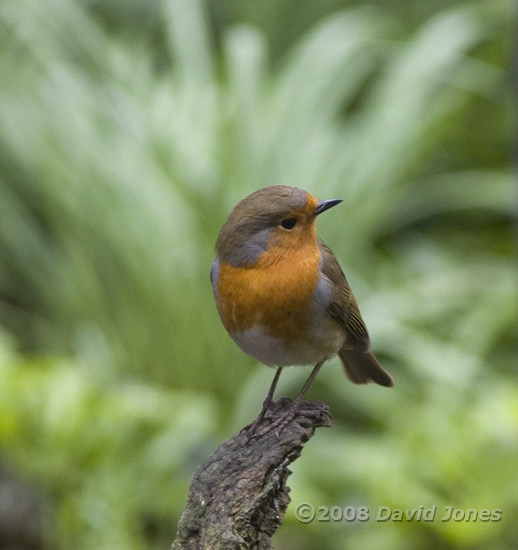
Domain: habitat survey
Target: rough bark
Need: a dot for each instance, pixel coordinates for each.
(237, 499)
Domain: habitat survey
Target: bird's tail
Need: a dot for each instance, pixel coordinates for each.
(361, 367)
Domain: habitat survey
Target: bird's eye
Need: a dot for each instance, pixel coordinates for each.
(289, 223)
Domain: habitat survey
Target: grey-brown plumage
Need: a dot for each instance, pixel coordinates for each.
(360, 364)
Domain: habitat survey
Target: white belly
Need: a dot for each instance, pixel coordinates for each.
(324, 343)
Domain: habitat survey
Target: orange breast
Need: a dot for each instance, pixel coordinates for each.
(275, 293)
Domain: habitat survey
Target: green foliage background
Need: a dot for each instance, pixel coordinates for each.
(128, 130)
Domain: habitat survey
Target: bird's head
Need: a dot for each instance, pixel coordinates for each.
(278, 216)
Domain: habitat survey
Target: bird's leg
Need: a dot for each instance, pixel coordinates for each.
(267, 403)
(308, 383)
(288, 416)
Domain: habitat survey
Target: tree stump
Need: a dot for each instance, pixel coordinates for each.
(238, 498)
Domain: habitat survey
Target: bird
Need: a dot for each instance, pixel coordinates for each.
(282, 296)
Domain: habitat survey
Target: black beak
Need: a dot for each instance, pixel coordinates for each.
(326, 205)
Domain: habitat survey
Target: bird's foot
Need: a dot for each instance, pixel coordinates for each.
(280, 423)
(266, 408)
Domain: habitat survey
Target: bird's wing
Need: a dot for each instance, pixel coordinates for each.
(343, 307)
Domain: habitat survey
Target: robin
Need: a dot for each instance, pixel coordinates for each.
(282, 296)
